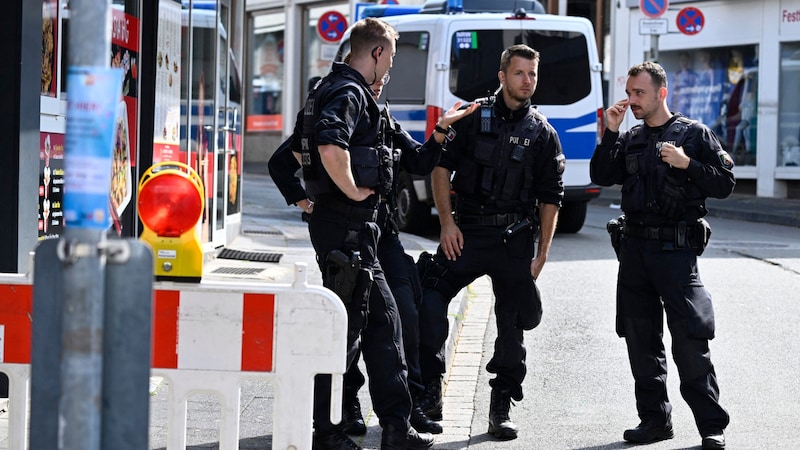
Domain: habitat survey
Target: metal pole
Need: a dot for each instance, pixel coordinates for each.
(80, 405)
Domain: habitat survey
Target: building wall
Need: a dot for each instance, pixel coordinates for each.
(769, 32)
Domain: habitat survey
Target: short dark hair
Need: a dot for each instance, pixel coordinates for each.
(657, 73)
(521, 50)
(370, 33)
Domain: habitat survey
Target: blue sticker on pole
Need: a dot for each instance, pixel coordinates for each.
(653, 8)
(94, 93)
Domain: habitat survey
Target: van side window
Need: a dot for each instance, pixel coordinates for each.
(564, 69)
(412, 55)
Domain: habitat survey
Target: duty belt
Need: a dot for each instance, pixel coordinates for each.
(679, 234)
(351, 212)
(488, 219)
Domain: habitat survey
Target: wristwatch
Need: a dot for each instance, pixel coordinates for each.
(448, 133)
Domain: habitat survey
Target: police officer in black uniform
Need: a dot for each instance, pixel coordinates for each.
(508, 163)
(667, 166)
(346, 174)
(400, 269)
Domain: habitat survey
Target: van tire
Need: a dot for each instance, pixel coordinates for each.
(571, 217)
(412, 215)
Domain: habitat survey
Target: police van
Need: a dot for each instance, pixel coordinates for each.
(450, 51)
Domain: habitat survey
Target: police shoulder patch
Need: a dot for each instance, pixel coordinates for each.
(725, 159)
(561, 162)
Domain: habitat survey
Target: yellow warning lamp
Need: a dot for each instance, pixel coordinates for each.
(170, 203)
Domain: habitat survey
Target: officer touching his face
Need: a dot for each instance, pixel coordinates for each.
(667, 166)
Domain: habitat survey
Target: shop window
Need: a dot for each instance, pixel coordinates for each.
(789, 107)
(718, 87)
(264, 110)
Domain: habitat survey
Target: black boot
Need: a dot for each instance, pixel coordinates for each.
(430, 400)
(394, 438)
(647, 432)
(423, 423)
(333, 440)
(500, 425)
(352, 420)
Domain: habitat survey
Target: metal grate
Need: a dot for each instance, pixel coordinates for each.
(227, 253)
(267, 232)
(237, 270)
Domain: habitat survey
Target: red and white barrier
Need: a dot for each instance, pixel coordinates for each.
(16, 305)
(210, 337)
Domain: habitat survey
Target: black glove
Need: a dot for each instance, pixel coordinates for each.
(672, 202)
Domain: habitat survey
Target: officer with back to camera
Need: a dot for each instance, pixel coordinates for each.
(508, 164)
(667, 166)
(346, 174)
(400, 269)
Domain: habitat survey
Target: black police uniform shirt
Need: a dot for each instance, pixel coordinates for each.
(537, 166)
(631, 159)
(340, 111)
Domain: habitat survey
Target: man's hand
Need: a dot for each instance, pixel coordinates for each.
(455, 114)
(674, 156)
(451, 240)
(615, 115)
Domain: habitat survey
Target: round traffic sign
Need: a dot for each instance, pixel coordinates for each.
(331, 26)
(690, 20)
(653, 8)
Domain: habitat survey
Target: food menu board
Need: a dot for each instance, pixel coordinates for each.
(49, 47)
(51, 185)
(124, 55)
(166, 133)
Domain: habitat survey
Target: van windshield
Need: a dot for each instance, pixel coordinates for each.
(564, 70)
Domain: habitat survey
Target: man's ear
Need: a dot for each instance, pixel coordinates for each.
(662, 93)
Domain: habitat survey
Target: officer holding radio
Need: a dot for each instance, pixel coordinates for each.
(508, 165)
(667, 166)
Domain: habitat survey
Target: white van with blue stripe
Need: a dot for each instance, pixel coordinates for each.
(450, 51)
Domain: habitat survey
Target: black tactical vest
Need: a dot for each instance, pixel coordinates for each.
(497, 169)
(647, 173)
(365, 159)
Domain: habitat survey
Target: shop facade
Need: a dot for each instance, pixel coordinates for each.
(735, 66)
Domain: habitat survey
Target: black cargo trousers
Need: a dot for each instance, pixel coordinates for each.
(655, 278)
(332, 228)
(517, 302)
(403, 278)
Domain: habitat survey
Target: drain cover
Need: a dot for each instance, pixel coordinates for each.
(227, 253)
(237, 270)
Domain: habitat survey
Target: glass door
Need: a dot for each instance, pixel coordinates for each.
(210, 130)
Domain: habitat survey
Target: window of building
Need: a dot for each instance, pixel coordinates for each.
(264, 110)
(718, 87)
(789, 107)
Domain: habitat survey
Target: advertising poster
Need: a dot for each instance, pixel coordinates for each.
(125, 56)
(51, 185)
(166, 133)
(49, 47)
(718, 87)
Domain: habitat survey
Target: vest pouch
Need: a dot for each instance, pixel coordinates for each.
(364, 162)
(512, 185)
(465, 178)
(484, 151)
(633, 188)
